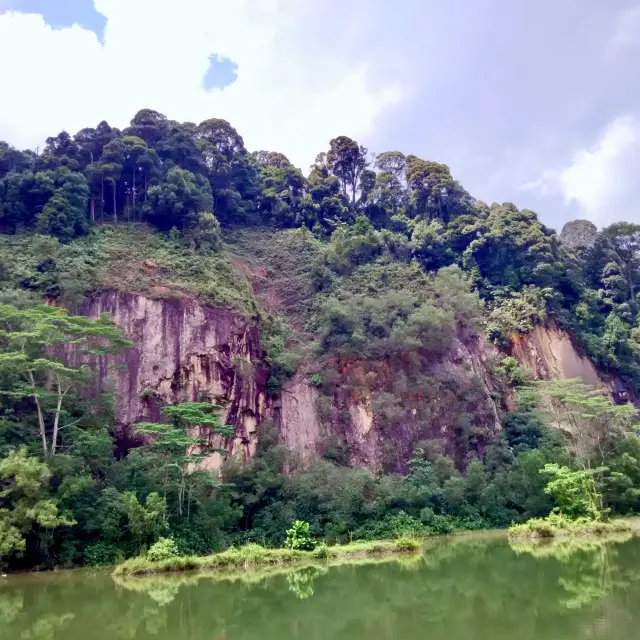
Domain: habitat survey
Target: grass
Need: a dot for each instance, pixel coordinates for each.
(254, 555)
(559, 526)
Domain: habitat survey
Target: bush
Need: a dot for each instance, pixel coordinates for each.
(163, 549)
(299, 538)
(437, 523)
(321, 551)
(407, 544)
(102, 554)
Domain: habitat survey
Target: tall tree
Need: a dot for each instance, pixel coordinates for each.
(177, 200)
(111, 165)
(625, 240)
(133, 149)
(33, 342)
(149, 125)
(25, 501)
(184, 442)
(347, 160)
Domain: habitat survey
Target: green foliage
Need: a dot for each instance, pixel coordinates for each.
(558, 525)
(162, 549)
(299, 537)
(26, 501)
(144, 520)
(30, 340)
(281, 359)
(512, 372)
(321, 551)
(408, 544)
(574, 492)
(102, 554)
(373, 278)
(517, 314)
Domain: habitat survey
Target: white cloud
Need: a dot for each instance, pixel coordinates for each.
(601, 180)
(155, 55)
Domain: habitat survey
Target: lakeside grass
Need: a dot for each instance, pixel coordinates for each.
(557, 526)
(145, 583)
(254, 555)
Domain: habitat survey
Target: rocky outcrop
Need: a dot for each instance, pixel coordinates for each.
(184, 352)
(579, 234)
(300, 426)
(380, 429)
(549, 353)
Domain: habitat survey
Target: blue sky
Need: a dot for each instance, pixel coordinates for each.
(535, 103)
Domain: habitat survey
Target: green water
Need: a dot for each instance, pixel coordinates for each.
(458, 590)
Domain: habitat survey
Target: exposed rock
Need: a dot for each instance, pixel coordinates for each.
(300, 427)
(185, 352)
(579, 234)
(549, 354)
(372, 442)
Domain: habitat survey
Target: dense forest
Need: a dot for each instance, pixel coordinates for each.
(387, 256)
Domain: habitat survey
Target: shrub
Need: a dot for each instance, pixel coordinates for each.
(407, 544)
(437, 523)
(321, 551)
(102, 554)
(315, 379)
(299, 538)
(163, 549)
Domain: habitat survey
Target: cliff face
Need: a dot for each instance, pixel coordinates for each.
(449, 398)
(549, 353)
(184, 352)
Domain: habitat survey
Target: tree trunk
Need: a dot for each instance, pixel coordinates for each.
(630, 281)
(56, 419)
(133, 192)
(93, 195)
(115, 212)
(43, 433)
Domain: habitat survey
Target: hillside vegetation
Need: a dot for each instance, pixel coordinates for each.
(362, 276)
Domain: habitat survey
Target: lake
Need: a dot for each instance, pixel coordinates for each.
(459, 589)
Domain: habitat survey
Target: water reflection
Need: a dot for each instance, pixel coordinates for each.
(301, 582)
(455, 590)
(592, 570)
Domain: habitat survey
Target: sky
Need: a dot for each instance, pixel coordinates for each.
(536, 103)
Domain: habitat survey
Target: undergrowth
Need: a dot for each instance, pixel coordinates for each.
(126, 257)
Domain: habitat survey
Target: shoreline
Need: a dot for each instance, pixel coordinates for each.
(253, 556)
(543, 529)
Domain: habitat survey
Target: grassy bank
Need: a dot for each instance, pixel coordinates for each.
(253, 555)
(555, 526)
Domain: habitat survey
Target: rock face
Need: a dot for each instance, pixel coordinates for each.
(549, 354)
(579, 234)
(184, 352)
(457, 393)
